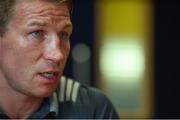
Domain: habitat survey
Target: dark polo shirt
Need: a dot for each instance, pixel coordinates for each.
(73, 100)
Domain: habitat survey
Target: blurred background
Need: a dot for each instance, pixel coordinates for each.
(129, 50)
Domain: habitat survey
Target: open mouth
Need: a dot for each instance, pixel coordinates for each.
(50, 75)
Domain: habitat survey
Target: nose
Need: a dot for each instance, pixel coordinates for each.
(53, 51)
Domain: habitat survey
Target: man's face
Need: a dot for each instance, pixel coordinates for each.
(35, 47)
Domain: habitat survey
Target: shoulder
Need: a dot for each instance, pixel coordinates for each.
(90, 101)
(72, 91)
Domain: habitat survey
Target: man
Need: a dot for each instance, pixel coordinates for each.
(34, 46)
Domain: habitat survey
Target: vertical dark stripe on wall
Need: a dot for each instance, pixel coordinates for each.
(167, 62)
(83, 32)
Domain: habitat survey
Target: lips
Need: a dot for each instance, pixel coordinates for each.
(50, 75)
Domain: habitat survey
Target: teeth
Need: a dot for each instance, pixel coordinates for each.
(48, 74)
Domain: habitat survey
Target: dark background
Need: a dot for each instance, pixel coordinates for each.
(83, 32)
(166, 53)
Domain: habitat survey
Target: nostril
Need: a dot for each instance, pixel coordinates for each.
(58, 55)
(54, 55)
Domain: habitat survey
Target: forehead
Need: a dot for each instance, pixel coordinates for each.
(41, 11)
(40, 7)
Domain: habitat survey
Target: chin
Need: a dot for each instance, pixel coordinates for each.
(44, 93)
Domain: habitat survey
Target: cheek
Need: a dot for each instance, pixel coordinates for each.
(17, 59)
(12, 67)
(8, 54)
(14, 62)
(14, 55)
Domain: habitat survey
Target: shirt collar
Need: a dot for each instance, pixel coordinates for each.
(54, 103)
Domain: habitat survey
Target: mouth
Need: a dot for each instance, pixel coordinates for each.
(50, 76)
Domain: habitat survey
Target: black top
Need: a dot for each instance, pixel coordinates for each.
(73, 100)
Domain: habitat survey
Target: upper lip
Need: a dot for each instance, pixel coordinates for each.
(51, 71)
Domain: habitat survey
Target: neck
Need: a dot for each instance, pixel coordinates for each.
(15, 104)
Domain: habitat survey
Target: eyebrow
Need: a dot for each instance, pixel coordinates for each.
(68, 26)
(36, 23)
(44, 24)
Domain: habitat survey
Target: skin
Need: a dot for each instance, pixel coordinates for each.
(36, 41)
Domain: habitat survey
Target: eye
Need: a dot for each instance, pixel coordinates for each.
(64, 36)
(37, 34)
